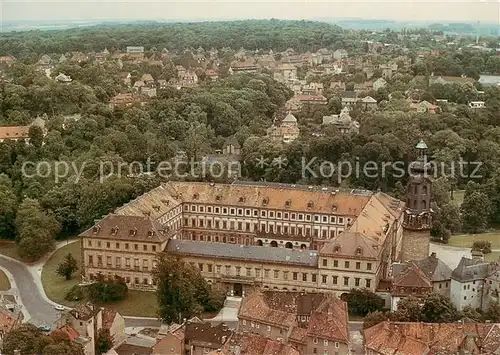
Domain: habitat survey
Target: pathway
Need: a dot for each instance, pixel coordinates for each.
(450, 255)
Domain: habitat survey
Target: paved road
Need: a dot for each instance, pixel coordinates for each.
(41, 311)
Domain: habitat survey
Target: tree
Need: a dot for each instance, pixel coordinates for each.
(107, 290)
(408, 309)
(35, 230)
(493, 312)
(469, 312)
(483, 246)
(104, 341)
(438, 309)
(182, 292)
(363, 301)
(67, 267)
(476, 210)
(27, 338)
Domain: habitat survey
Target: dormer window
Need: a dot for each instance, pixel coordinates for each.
(288, 203)
(218, 198)
(157, 208)
(196, 196)
(133, 232)
(165, 201)
(96, 229)
(359, 251)
(151, 234)
(310, 204)
(336, 249)
(265, 201)
(334, 207)
(242, 198)
(114, 230)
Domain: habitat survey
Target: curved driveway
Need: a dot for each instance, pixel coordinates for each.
(41, 311)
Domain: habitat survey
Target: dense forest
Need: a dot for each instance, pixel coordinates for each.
(83, 131)
(255, 34)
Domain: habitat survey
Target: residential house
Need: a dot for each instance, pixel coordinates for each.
(126, 78)
(326, 331)
(170, 341)
(63, 78)
(313, 88)
(241, 54)
(489, 80)
(388, 70)
(254, 344)
(333, 68)
(8, 321)
(131, 349)
(78, 57)
(368, 103)
(162, 83)
(211, 74)
(135, 52)
(379, 84)
(232, 147)
(476, 105)
(19, 133)
(348, 98)
(317, 99)
(343, 122)
(340, 54)
(285, 72)
(287, 131)
(471, 286)
(44, 63)
(180, 71)
(188, 79)
(114, 321)
(201, 338)
(445, 80)
(243, 67)
(148, 80)
(424, 107)
(293, 105)
(337, 85)
(124, 99)
(432, 338)
(82, 324)
(366, 86)
(413, 278)
(7, 60)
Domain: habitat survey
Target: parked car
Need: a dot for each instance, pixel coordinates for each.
(59, 307)
(44, 328)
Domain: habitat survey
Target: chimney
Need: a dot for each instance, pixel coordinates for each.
(477, 256)
(433, 255)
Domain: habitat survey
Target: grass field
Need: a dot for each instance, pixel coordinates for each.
(458, 197)
(4, 282)
(466, 240)
(137, 303)
(493, 256)
(9, 248)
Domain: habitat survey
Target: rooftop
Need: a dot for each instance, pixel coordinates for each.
(243, 252)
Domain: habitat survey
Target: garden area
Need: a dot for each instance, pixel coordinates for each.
(4, 282)
(136, 303)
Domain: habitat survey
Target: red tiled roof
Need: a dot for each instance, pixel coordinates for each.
(72, 333)
(108, 318)
(255, 308)
(14, 132)
(330, 321)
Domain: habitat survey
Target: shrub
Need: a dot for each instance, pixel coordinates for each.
(105, 290)
(482, 245)
(76, 293)
(361, 302)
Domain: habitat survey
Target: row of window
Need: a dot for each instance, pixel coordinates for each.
(266, 214)
(263, 227)
(285, 275)
(347, 264)
(118, 263)
(145, 247)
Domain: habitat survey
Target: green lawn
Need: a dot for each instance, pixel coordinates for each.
(493, 256)
(466, 240)
(458, 197)
(9, 248)
(4, 282)
(137, 303)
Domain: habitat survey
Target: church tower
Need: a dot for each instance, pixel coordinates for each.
(417, 220)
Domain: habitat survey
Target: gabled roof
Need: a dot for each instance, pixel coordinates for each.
(352, 244)
(253, 344)
(212, 337)
(253, 307)
(381, 339)
(411, 277)
(132, 228)
(70, 331)
(468, 270)
(329, 321)
(299, 303)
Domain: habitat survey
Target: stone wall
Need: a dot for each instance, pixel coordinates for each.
(415, 245)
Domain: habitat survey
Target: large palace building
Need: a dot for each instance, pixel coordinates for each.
(266, 236)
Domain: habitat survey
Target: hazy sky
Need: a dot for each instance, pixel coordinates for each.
(452, 10)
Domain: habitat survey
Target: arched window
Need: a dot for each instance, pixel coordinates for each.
(415, 204)
(424, 190)
(424, 204)
(274, 244)
(259, 243)
(289, 245)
